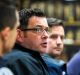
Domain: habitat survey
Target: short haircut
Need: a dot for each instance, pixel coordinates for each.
(26, 14)
(55, 22)
(7, 16)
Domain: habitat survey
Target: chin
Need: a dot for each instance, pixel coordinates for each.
(43, 51)
(58, 54)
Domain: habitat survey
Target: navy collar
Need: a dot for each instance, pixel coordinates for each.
(21, 48)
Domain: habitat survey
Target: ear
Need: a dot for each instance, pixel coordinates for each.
(20, 36)
(5, 33)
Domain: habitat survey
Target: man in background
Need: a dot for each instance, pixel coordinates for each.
(56, 38)
(32, 39)
(9, 22)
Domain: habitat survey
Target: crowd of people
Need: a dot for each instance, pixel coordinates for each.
(31, 43)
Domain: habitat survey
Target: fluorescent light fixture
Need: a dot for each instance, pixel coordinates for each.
(70, 0)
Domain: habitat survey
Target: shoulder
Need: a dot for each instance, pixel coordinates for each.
(23, 63)
(75, 59)
(15, 54)
(19, 57)
(5, 71)
(73, 65)
(49, 61)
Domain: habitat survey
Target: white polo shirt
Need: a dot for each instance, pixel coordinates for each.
(5, 71)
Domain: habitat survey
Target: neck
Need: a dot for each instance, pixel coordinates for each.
(54, 56)
(1, 53)
(1, 50)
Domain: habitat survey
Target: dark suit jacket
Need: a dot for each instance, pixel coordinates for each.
(24, 61)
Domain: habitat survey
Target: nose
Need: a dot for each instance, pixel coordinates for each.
(59, 41)
(45, 35)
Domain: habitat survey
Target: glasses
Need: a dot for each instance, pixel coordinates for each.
(38, 30)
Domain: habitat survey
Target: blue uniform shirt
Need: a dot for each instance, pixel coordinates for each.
(73, 66)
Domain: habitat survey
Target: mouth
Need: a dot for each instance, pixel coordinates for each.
(58, 49)
(44, 44)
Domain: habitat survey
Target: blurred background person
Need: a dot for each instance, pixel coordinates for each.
(73, 66)
(9, 22)
(56, 45)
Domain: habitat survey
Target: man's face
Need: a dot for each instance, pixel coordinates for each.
(56, 38)
(36, 39)
(12, 33)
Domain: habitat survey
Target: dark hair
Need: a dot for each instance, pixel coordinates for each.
(25, 14)
(55, 22)
(7, 16)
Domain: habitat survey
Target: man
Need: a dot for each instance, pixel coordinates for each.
(56, 37)
(73, 66)
(9, 22)
(31, 41)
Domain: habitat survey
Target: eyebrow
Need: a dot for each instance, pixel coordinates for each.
(56, 35)
(41, 26)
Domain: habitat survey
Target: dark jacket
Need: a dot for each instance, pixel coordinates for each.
(24, 61)
(3, 69)
(54, 67)
(2, 62)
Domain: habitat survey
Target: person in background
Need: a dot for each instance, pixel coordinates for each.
(55, 48)
(32, 39)
(73, 66)
(9, 22)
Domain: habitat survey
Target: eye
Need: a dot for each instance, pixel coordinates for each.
(53, 36)
(38, 29)
(62, 37)
(47, 29)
